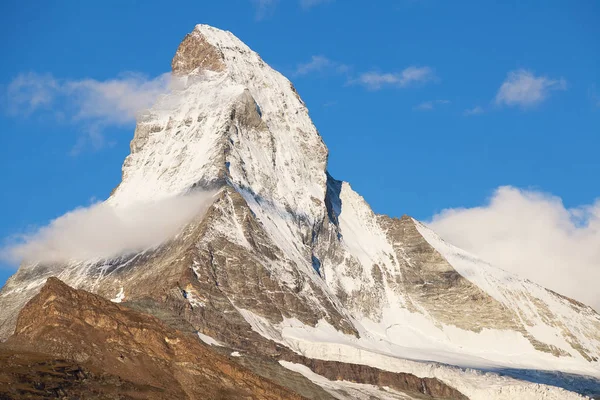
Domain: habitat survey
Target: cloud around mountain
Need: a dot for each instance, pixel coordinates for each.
(534, 235)
(90, 103)
(103, 231)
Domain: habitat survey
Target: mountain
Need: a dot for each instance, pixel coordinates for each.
(290, 264)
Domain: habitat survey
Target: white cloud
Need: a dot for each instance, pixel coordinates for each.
(320, 64)
(28, 92)
(317, 63)
(522, 88)
(117, 101)
(264, 8)
(430, 105)
(474, 111)
(306, 4)
(409, 76)
(95, 104)
(103, 231)
(533, 235)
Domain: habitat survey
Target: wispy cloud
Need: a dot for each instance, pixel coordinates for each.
(92, 103)
(320, 64)
(264, 8)
(372, 80)
(430, 105)
(306, 4)
(29, 92)
(409, 76)
(534, 235)
(477, 110)
(522, 88)
(103, 231)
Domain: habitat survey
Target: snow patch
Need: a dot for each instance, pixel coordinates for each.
(194, 300)
(120, 296)
(209, 340)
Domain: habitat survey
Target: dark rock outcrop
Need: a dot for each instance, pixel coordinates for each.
(423, 388)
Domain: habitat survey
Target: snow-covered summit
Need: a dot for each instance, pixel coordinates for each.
(235, 119)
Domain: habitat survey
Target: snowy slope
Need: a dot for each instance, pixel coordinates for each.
(186, 132)
(553, 319)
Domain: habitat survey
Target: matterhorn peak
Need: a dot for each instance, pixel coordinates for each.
(237, 120)
(293, 267)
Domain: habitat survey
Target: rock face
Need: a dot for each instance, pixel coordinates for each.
(31, 375)
(195, 52)
(117, 348)
(407, 383)
(289, 259)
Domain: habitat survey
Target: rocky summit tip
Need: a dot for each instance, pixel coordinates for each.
(202, 50)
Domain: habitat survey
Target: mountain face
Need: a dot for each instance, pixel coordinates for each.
(291, 264)
(106, 351)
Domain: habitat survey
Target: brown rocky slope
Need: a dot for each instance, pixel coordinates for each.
(70, 342)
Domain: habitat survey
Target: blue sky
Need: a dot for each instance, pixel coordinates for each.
(425, 105)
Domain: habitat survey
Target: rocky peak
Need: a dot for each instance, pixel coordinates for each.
(235, 118)
(195, 54)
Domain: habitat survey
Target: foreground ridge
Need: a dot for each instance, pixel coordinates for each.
(116, 352)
